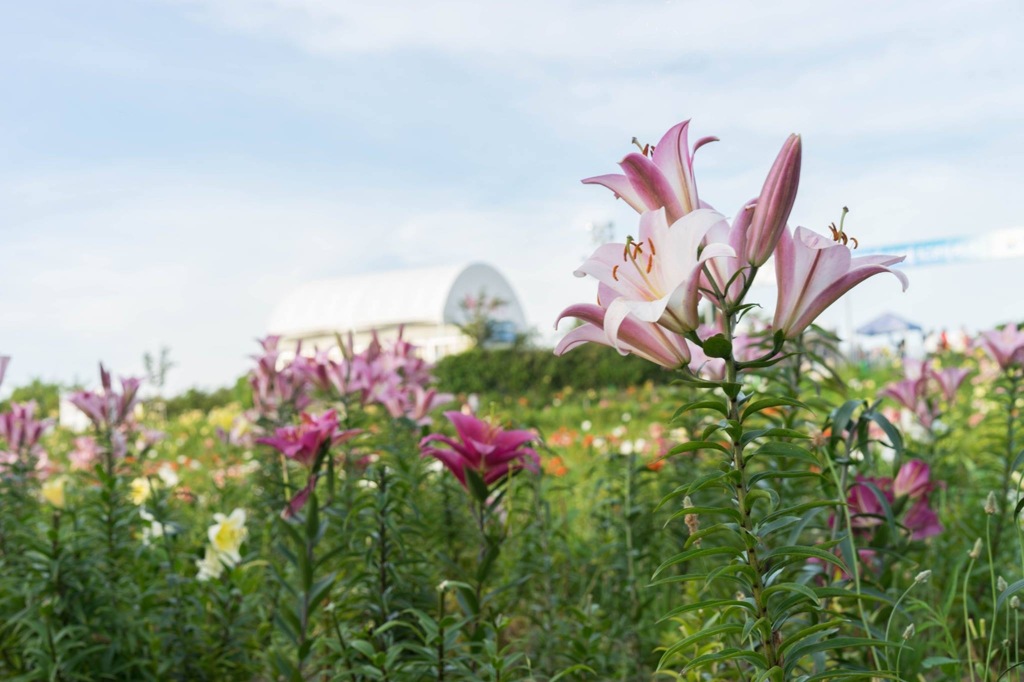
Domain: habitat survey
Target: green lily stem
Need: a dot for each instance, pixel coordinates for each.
(967, 622)
(995, 595)
(1012, 393)
(772, 638)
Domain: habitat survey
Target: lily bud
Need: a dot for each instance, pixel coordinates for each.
(1001, 584)
(976, 550)
(773, 207)
(909, 632)
(1014, 602)
(692, 520)
(923, 576)
(990, 504)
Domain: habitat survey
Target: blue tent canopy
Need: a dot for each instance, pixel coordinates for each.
(888, 324)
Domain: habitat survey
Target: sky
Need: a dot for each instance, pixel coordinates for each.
(169, 169)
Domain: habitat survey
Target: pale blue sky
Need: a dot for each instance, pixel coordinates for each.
(167, 169)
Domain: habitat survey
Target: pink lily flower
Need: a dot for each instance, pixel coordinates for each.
(416, 404)
(109, 409)
(812, 273)
(86, 453)
(922, 521)
(273, 388)
(912, 480)
(303, 443)
(773, 207)
(643, 339)
(484, 447)
(21, 432)
(949, 380)
(657, 278)
(907, 393)
(665, 180)
(1006, 345)
(865, 509)
(730, 275)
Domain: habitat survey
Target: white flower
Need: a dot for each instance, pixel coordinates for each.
(154, 530)
(167, 475)
(210, 566)
(586, 425)
(227, 535)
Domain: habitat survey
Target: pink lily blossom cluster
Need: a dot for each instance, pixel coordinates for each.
(483, 447)
(907, 493)
(917, 394)
(308, 444)
(1005, 346)
(110, 410)
(20, 432)
(275, 388)
(392, 376)
(649, 288)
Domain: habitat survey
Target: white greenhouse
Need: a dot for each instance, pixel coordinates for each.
(429, 304)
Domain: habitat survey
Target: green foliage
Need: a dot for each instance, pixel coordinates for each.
(45, 394)
(515, 371)
(204, 401)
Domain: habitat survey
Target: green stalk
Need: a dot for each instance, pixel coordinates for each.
(1014, 377)
(772, 638)
(967, 625)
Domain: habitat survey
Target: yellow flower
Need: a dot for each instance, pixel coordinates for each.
(140, 491)
(227, 535)
(53, 491)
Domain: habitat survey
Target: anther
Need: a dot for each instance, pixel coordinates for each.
(615, 271)
(650, 263)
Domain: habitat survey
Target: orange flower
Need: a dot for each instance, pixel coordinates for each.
(555, 466)
(562, 437)
(656, 464)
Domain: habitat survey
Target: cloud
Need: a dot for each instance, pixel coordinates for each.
(578, 30)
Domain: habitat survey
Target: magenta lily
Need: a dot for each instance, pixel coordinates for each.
(912, 480)
(483, 447)
(20, 432)
(812, 272)
(773, 207)
(1006, 345)
(303, 443)
(665, 180)
(922, 521)
(656, 278)
(109, 408)
(866, 510)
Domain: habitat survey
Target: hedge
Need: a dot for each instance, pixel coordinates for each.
(517, 371)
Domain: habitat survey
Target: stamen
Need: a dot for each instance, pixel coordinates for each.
(650, 263)
(650, 243)
(615, 271)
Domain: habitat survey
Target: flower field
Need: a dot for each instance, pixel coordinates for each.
(764, 508)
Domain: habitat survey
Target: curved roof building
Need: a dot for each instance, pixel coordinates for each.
(429, 304)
